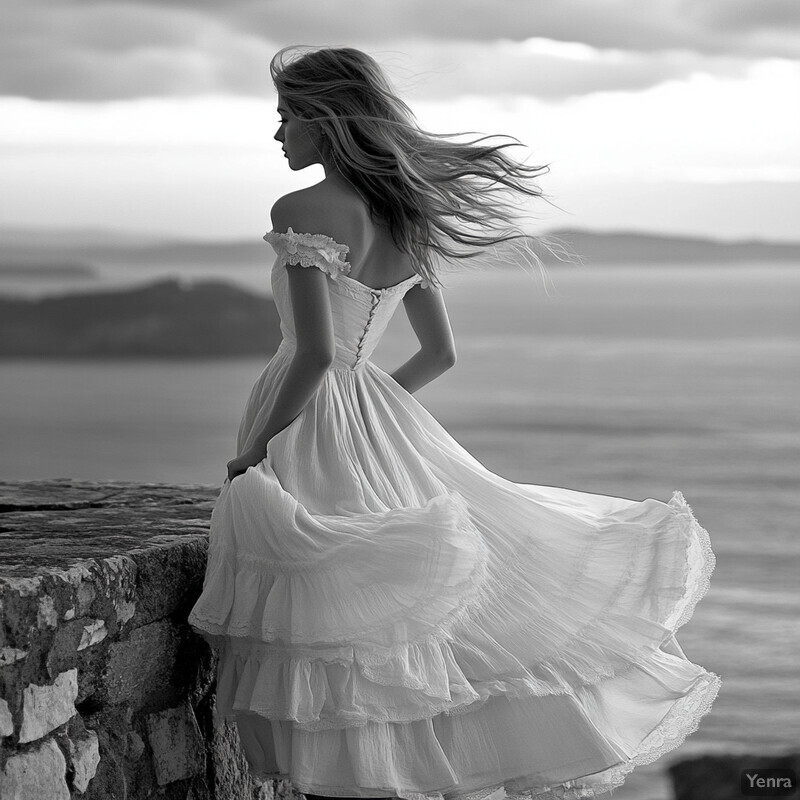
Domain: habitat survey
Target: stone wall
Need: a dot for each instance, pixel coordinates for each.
(106, 693)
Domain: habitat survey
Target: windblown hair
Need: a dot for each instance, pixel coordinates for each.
(439, 197)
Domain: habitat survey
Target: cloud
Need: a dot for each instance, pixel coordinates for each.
(744, 16)
(743, 27)
(104, 50)
(540, 68)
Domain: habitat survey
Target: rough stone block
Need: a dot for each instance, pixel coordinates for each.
(64, 647)
(70, 638)
(47, 616)
(229, 768)
(200, 790)
(85, 754)
(125, 609)
(45, 708)
(167, 577)
(10, 655)
(94, 631)
(177, 744)
(231, 777)
(6, 721)
(85, 594)
(283, 790)
(36, 774)
(141, 666)
(112, 779)
(135, 746)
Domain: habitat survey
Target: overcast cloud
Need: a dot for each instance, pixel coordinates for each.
(97, 51)
(158, 115)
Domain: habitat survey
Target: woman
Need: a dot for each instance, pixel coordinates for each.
(393, 619)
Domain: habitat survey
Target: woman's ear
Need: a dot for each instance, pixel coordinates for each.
(321, 140)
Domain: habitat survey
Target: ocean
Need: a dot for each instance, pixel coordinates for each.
(625, 381)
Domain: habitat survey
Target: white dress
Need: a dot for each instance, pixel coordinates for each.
(395, 619)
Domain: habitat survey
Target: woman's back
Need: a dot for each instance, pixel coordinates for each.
(374, 258)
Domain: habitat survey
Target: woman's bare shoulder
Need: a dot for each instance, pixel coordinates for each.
(322, 209)
(301, 211)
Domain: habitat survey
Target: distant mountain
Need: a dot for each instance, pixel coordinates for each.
(644, 248)
(19, 247)
(206, 319)
(162, 320)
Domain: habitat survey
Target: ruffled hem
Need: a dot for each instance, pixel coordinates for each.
(351, 691)
(462, 667)
(378, 579)
(681, 720)
(435, 645)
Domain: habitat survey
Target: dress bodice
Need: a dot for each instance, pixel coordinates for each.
(360, 313)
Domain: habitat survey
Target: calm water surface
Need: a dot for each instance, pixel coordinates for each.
(622, 381)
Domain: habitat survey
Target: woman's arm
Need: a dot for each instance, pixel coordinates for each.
(300, 382)
(313, 324)
(428, 317)
(313, 355)
(420, 369)
(312, 358)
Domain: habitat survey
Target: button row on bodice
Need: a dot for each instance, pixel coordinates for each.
(375, 301)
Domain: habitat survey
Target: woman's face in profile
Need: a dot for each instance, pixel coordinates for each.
(297, 138)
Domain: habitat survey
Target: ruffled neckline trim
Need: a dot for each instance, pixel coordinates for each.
(316, 246)
(311, 250)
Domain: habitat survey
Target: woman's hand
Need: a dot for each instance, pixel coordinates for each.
(250, 458)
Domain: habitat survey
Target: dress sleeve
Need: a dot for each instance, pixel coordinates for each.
(310, 250)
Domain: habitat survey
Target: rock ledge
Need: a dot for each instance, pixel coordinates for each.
(105, 691)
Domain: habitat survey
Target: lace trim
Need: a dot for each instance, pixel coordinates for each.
(702, 580)
(681, 720)
(310, 250)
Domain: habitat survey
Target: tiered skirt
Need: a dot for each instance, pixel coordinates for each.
(393, 619)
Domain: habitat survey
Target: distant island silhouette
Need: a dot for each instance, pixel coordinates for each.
(161, 320)
(171, 319)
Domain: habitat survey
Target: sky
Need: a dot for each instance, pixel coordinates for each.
(157, 116)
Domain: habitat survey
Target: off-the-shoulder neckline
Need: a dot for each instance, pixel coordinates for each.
(391, 288)
(329, 240)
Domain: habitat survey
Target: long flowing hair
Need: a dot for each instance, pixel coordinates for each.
(441, 199)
